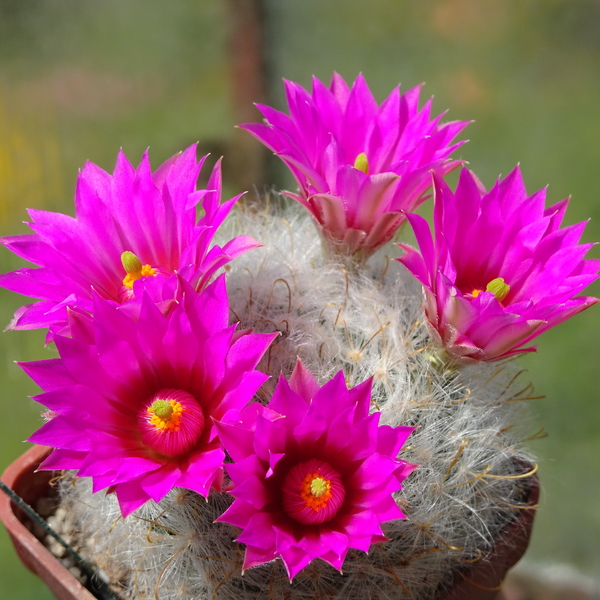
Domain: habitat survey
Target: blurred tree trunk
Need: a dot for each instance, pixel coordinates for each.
(247, 157)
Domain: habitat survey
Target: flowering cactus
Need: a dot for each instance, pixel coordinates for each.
(129, 226)
(133, 401)
(359, 166)
(468, 486)
(501, 271)
(165, 383)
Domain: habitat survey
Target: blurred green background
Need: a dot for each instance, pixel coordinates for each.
(79, 80)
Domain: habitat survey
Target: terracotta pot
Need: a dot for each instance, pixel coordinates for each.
(482, 582)
(22, 478)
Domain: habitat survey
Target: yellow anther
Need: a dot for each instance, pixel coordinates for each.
(362, 163)
(132, 264)
(165, 415)
(162, 409)
(134, 268)
(499, 288)
(315, 491)
(319, 487)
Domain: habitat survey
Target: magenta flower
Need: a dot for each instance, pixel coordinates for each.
(313, 474)
(500, 271)
(129, 226)
(133, 401)
(359, 166)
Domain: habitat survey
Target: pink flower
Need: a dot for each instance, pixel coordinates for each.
(129, 227)
(359, 166)
(313, 474)
(500, 271)
(132, 401)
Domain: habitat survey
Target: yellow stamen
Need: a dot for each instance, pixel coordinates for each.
(315, 490)
(362, 163)
(131, 263)
(134, 268)
(497, 286)
(165, 415)
(319, 487)
(162, 409)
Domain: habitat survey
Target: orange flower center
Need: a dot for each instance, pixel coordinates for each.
(165, 415)
(171, 422)
(134, 269)
(315, 490)
(312, 492)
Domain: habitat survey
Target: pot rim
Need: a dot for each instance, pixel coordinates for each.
(32, 552)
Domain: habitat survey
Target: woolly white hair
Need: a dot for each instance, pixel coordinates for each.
(368, 321)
